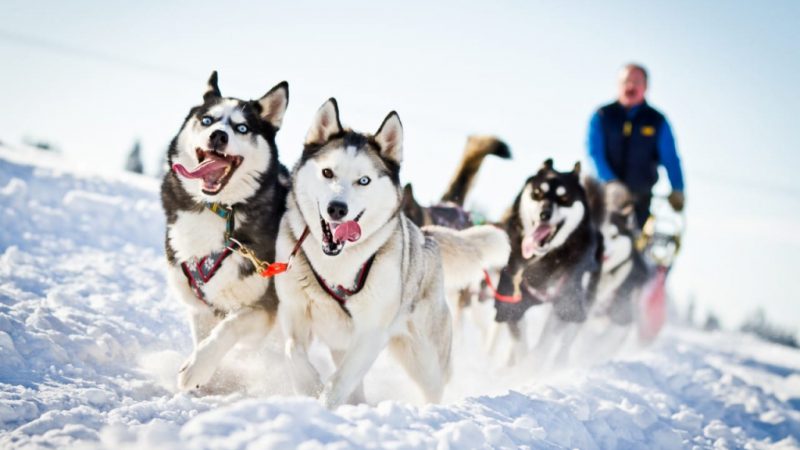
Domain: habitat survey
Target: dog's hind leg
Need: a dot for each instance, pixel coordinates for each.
(568, 333)
(425, 351)
(209, 352)
(421, 362)
(519, 348)
(547, 339)
(357, 397)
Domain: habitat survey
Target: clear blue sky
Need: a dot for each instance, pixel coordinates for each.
(93, 76)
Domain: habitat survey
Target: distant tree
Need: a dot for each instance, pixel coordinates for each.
(40, 144)
(690, 309)
(758, 325)
(712, 322)
(134, 163)
(163, 165)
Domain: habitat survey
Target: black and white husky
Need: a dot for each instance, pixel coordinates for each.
(624, 276)
(556, 252)
(364, 276)
(226, 189)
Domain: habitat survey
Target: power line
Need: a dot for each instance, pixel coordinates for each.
(92, 55)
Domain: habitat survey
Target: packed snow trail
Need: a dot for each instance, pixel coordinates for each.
(90, 341)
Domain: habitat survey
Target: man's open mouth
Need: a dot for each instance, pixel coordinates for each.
(536, 242)
(214, 168)
(336, 234)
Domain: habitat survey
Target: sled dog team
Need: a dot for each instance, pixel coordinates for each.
(339, 251)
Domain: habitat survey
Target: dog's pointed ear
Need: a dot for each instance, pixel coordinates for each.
(390, 137)
(546, 165)
(273, 104)
(212, 89)
(576, 170)
(326, 123)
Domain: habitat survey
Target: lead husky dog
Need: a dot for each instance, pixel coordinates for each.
(555, 258)
(226, 187)
(366, 277)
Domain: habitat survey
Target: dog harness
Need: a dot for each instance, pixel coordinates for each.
(543, 297)
(341, 293)
(450, 215)
(199, 271)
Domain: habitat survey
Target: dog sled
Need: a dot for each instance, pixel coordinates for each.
(659, 243)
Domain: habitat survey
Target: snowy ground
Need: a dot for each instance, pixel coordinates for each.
(90, 342)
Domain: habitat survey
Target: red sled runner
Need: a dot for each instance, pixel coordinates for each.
(660, 243)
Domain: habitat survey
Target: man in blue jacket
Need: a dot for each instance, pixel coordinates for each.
(628, 139)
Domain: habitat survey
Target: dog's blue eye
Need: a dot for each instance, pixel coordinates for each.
(206, 121)
(242, 128)
(363, 181)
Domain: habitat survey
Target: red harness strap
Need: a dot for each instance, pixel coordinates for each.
(497, 296)
(341, 293)
(518, 298)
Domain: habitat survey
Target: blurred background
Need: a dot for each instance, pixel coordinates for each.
(94, 80)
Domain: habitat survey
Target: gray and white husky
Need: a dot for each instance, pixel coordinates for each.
(365, 277)
(226, 187)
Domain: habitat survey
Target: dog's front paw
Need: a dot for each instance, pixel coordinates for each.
(329, 397)
(194, 373)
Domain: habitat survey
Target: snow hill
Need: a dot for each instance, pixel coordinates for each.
(90, 341)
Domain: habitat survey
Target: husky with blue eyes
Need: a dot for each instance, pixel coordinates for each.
(226, 191)
(364, 277)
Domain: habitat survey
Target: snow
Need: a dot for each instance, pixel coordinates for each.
(90, 341)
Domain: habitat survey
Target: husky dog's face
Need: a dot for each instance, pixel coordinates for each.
(618, 238)
(347, 183)
(226, 144)
(551, 206)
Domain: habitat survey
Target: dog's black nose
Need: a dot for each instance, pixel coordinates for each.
(337, 210)
(218, 140)
(546, 214)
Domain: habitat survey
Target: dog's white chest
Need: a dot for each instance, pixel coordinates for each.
(195, 235)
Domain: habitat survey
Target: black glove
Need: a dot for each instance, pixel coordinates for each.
(676, 200)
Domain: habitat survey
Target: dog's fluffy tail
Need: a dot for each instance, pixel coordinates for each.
(467, 253)
(478, 147)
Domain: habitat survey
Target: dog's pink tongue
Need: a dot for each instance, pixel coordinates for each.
(541, 232)
(347, 231)
(528, 246)
(530, 243)
(206, 167)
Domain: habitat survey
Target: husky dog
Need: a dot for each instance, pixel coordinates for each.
(555, 258)
(449, 211)
(364, 276)
(624, 269)
(226, 189)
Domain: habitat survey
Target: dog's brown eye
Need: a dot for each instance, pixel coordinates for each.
(327, 173)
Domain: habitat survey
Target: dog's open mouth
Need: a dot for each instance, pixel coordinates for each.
(336, 234)
(536, 242)
(214, 168)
